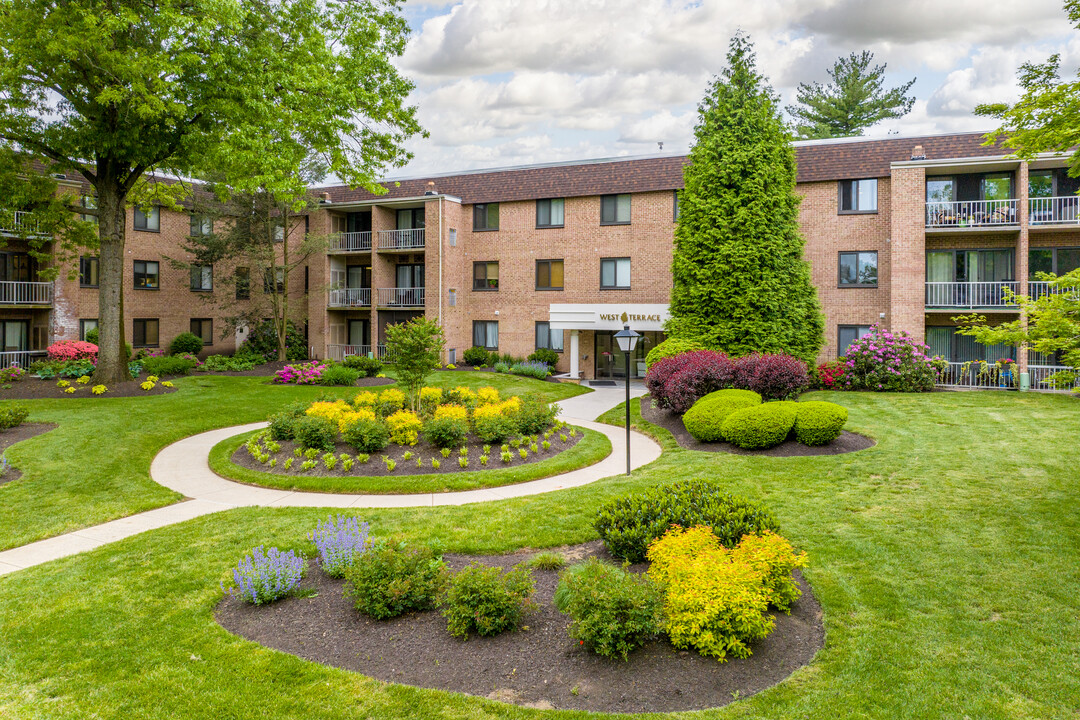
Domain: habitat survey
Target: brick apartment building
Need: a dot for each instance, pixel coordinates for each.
(901, 232)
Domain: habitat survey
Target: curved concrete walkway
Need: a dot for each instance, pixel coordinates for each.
(183, 467)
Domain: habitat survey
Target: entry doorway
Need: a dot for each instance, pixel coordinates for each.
(611, 361)
(360, 332)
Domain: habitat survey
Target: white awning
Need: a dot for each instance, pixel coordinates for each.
(641, 317)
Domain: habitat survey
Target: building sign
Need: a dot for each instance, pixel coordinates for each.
(639, 316)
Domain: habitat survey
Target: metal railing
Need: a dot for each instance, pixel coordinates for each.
(340, 352)
(1054, 210)
(1040, 377)
(20, 224)
(401, 297)
(975, 375)
(351, 242)
(22, 358)
(26, 293)
(969, 294)
(971, 213)
(380, 352)
(350, 297)
(410, 239)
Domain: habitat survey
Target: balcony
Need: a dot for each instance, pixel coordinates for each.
(26, 293)
(972, 214)
(401, 297)
(347, 242)
(970, 294)
(22, 358)
(411, 239)
(340, 352)
(21, 224)
(350, 298)
(1054, 210)
(1041, 377)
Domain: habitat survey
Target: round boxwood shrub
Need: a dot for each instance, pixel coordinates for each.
(628, 524)
(367, 436)
(707, 416)
(486, 601)
(818, 422)
(315, 432)
(186, 342)
(475, 356)
(446, 432)
(670, 348)
(545, 355)
(366, 366)
(761, 426)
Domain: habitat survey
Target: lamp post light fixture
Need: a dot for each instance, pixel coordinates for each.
(627, 340)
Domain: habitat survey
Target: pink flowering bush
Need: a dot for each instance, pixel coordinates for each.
(302, 374)
(886, 362)
(72, 350)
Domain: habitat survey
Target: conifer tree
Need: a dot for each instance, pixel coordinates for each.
(740, 281)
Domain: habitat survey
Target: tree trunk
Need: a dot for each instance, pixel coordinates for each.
(283, 305)
(112, 363)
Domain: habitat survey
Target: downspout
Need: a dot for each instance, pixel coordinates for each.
(440, 260)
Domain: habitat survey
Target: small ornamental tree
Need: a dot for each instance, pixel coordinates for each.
(740, 283)
(416, 349)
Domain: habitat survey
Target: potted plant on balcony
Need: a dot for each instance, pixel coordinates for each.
(1005, 368)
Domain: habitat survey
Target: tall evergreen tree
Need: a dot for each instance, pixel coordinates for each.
(853, 100)
(740, 281)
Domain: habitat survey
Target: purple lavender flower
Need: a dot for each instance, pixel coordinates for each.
(339, 541)
(261, 578)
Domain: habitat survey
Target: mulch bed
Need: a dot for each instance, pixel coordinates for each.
(18, 434)
(537, 667)
(35, 389)
(269, 369)
(377, 467)
(672, 422)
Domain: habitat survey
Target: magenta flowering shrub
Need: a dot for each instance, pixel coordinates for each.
(773, 377)
(886, 362)
(303, 374)
(687, 377)
(72, 350)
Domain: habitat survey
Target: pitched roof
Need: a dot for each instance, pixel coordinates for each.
(818, 160)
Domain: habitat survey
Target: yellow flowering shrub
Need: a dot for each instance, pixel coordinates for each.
(390, 401)
(430, 397)
(366, 399)
(147, 385)
(152, 378)
(714, 601)
(83, 380)
(495, 422)
(773, 557)
(99, 389)
(487, 395)
(461, 395)
(328, 410)
(454, 412)
(351, 417)
(404, 427)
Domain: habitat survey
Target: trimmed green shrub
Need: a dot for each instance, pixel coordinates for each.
(670, 348)
(367, 366)
(339, 375)
(387, 582)
(315, 432)
(283, 422)
(186, 342)
(446, 432)
(475, 356)
(613, 611)
(535, 416)
(545, 355)
(367, 436)
(818, 422)
(706, 417)
(495, 428)
(485, 601)
(227, 363)
(167, 365)
(13, 415)
(760, 427)
(628, 524)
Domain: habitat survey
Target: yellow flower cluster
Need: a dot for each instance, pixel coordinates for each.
(62, 383)
(147, 385)
(391, 400)
(83, 380)
(454, 412)
(69, 390)
(404, 427)
(340, 413)
(490, 410)
(487, 396)
(430, 396)
(99, 389)
(462, 395)
(716, 600)
(366, 399)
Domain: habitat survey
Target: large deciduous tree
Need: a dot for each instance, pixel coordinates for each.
(117, 90)
(854, 99)
(740, 281)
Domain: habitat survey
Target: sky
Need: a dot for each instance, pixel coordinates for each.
(512, 82)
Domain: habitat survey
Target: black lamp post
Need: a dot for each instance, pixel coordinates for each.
(627, 340)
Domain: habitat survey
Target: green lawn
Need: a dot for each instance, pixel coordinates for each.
(95, 466)
(946, 558)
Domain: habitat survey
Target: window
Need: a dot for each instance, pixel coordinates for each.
(858, 196)
(451, 298)
(148, 221)
(269, 277)
(858, 269)
(279, 232)
(204, 328)
(485, 276)
(90, 203)
(243, 283)
(144, 333)
(485, 216)
(453, 356)
(201, 225)
(202, 278)
(847, 334)
(307, 279)
(997, 186)
(410, 219)
(548, 338)
(940, 190)
(453, 237)
(549, 213)
(1041, 184)
(614, 273)
(86, 326)
(1056, 261)
(549, 274)
(146, 275)
(615, 209)
(675, 216)
(88, 272)
(485, 334)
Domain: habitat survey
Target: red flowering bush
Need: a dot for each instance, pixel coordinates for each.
(829, 374)
(696, 374)
(676, 383)
(777, 377)
(72, 350)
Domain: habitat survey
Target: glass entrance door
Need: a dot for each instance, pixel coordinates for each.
(611, 361)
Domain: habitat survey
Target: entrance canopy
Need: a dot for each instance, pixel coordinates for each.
(639, 316)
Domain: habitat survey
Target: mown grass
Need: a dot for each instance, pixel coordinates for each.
(946, 559)
(95, 466)
(592, 448)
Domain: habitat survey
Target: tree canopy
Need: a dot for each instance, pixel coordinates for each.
(854, 99)
(740, 282)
